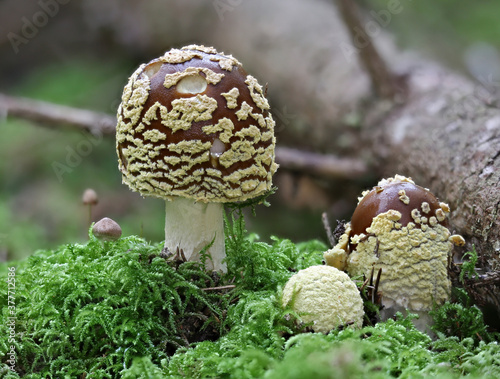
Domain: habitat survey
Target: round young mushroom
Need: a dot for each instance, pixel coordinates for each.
(107, 229)
(325, 296)
(195, 129)
(400, 228)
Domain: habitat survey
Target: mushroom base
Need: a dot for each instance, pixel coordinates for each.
(192, 226)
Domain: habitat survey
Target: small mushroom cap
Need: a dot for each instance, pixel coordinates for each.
(89, 197)
(398, 194)
(325, 296)
(194, 124)
(107, 230)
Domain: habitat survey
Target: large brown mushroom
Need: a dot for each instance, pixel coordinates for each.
(195, 129)
(400, 228)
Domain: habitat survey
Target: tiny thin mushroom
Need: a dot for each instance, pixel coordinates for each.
(89, 199)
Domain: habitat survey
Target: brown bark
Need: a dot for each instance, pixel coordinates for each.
(447, 137)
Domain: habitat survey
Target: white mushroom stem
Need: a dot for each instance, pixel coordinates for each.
(192, 226)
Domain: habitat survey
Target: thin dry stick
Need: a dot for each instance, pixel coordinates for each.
(328, 229)
(54, 115)
(318, 164)
(385, 84)
(228, 287)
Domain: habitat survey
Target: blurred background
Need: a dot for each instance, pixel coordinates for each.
(80, 53)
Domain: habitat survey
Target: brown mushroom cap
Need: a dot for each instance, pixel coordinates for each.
(401, 196)
(89, 197)
(192, 123)
(107, 230)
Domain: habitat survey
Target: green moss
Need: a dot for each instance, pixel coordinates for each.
(460, 318)
(469, 266)
(92, 308)
(120, 310)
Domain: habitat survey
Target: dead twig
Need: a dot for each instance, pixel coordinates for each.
(490, 278)
(385, 83)
(220, 288)
(328, 229)
(328, 166)
(54, 115)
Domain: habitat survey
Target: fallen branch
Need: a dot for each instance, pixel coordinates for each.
(54, 115)
(384, 82)
(446, 135)
(322, 165)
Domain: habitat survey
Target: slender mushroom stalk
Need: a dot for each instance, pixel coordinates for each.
(195, 129)
(89, 198)
(193, 226)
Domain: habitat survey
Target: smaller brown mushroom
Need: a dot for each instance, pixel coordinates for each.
(402, 229)
(107, 230)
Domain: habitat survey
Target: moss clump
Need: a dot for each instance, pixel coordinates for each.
(460, 318)
(92, 308)
(120, 310)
